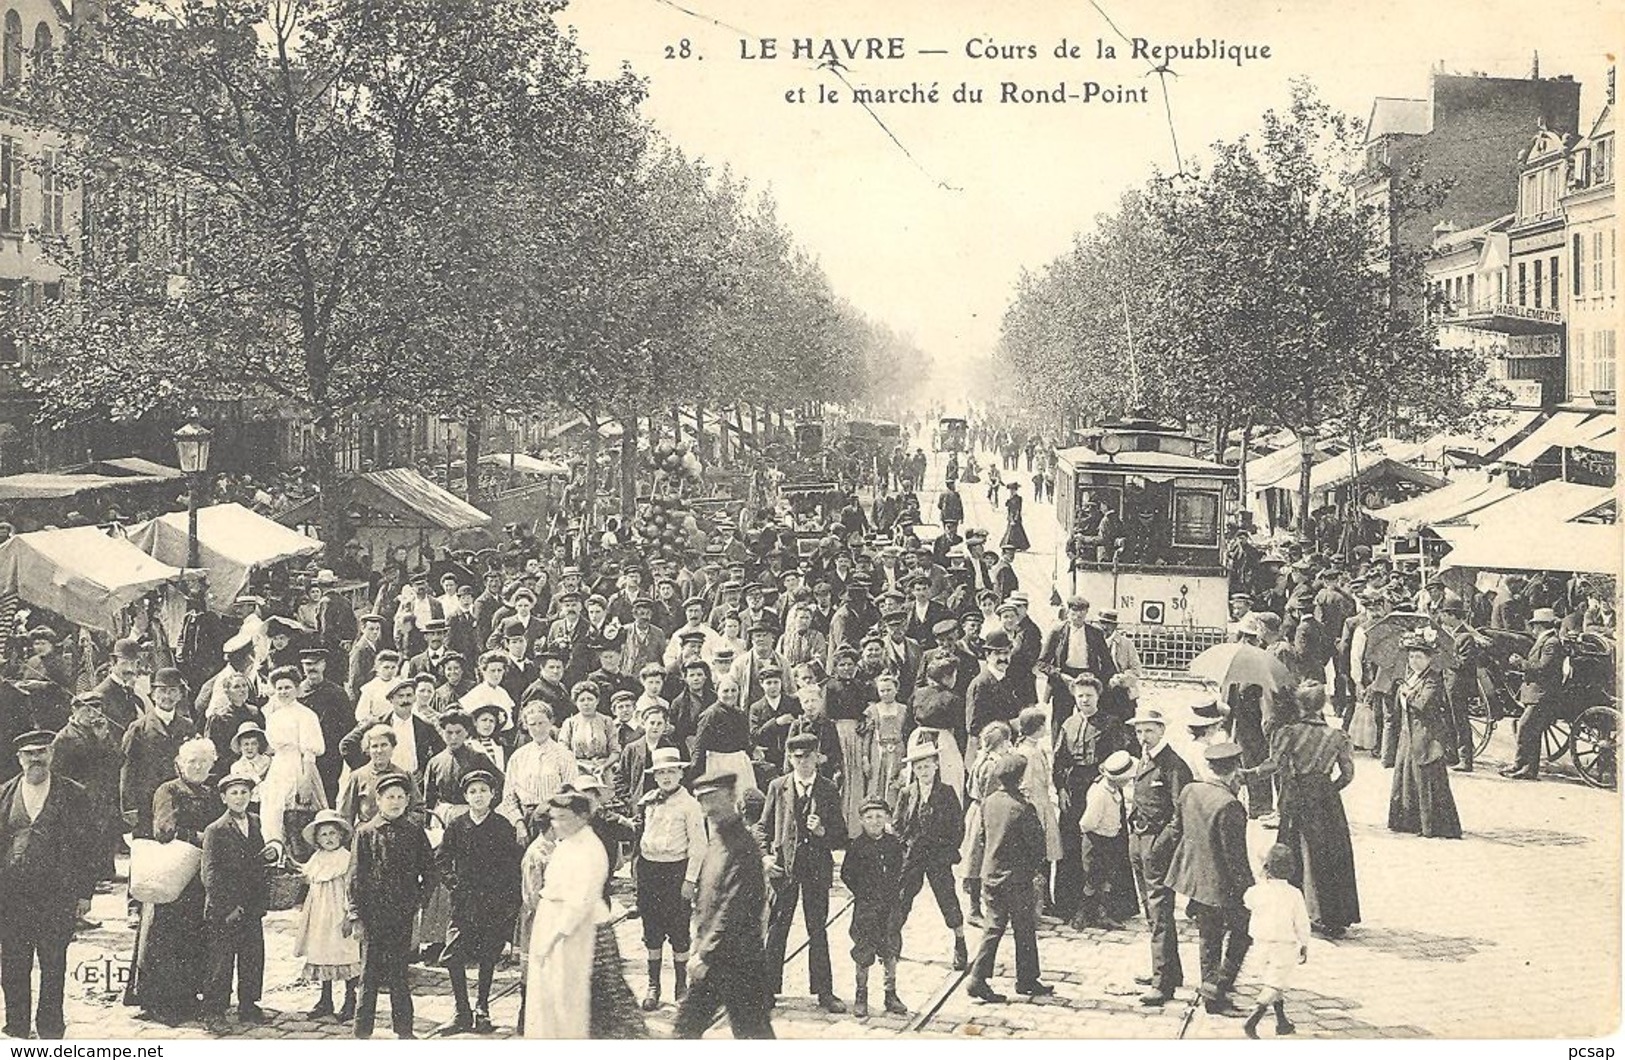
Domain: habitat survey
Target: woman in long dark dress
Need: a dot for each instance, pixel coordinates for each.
(171, 958)
(1313, 763)
(1014, 533)
(1421, 802)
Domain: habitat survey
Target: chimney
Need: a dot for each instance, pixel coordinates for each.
(1534, 73)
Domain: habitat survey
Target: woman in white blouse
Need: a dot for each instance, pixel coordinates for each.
(558, 976)
(295, 737)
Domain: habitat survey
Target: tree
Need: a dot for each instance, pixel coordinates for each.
(257, 177)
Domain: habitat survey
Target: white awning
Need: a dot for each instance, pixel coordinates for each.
(1462, 495)
(1526, 545)
(1564, 428)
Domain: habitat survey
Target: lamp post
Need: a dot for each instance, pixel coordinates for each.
(446, 420)
(192, 449)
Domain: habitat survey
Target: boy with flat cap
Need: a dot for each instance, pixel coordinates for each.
(233, 874)
(479, 861)
(873, 871)
(1013, 856)
(393, 875)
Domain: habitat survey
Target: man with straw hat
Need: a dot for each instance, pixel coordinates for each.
(670, 847)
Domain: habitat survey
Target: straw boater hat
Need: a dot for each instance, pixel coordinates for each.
(1117, 764)
(332, 817)
(666, 758)
(248, 728)
(921, 751)
(1145, 715)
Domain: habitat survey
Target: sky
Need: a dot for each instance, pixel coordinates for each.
(941, 263)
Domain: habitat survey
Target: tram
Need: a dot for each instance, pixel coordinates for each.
(1143, 520)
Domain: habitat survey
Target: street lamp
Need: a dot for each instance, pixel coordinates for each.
(446, 420)
(192, 449)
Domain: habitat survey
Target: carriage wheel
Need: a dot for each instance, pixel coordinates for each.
(1481, 723)
(1556, 739)
(1596, 745)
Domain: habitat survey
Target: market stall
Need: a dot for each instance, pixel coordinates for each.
(82, 574)
(233, 543)
(395, 508)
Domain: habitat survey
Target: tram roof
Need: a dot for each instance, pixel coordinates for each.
(1083, 456)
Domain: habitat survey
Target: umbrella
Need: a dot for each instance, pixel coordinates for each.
(1234, 664)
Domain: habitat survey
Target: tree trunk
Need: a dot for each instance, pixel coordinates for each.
(702, 441)
(677, 425)
(334, 527)
(589, 485)
(630, 471)
(1306, 465)
(474, 433)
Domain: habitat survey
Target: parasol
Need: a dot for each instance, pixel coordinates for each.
(1233, 664)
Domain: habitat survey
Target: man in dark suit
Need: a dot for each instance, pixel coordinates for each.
(1161, 778)
(150, 746)
(923, 613)
(1210, 867)
(47, 877)
(333, 709)
(87, 751)
(801, 827)
(728, 968)
(411, 760)
(1003, 573)
(363, 654)
(901, 653)
(234, 905)
(121, 704)
(434, 650)
(1539, 693)
(1012, 859)
(1075, 647)
(336, 625)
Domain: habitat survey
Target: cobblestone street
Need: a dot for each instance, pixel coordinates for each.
(1512, 931)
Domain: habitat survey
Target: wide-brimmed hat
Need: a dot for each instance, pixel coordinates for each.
(714, 780)
(1207, 712)
(322, 817)
(666, 758)
(1543, 615)
(248, 728)
(921, 751)
(1146, 715)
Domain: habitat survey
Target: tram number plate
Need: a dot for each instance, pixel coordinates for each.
(1152, 612)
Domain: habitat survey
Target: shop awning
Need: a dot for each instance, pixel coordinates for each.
(1502, 427)
(1528, 545)
(81, 573)
(46, 486)
(138, 465)
(1466, 493)
(1553, 500)
(1279, 470)
(233, 542)
(1564, 428)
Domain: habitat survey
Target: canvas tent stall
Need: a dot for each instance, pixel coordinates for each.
(1545, 545)
(81, 573)
(397, 508)
(35, 499)
(233, 543)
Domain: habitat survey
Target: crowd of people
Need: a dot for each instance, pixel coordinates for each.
(450, 777)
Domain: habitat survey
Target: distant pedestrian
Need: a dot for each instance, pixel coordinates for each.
(1279, 925)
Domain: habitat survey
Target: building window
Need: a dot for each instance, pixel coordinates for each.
(1469, 292)
(1603, 366)
(1596, 262)
(1579, 363)
(11, 52)
(1523, 282)
(11, 185)
(53, 192)
(1540, 286)
(1555, 300)
(44, 56)
(1578, 266)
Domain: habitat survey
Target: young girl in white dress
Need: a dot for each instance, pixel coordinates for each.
(1279, 925)
(330, 954)
(883, 721)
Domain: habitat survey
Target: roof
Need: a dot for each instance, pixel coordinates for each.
(1334, 473)
(1083, 457)
(1451, 240)
(422, 499)
(1466, 493)
(139, 465)
(531, 465)
(81, 573)
(606, 429)
(1391, 116)
(1279, 470)
(1502, 426)
(232, 543)
(1539, 545)
(1564, 429)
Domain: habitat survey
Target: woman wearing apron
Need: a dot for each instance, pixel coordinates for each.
(722, 739)
(847, 696)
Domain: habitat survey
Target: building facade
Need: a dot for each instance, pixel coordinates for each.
(1591, 238)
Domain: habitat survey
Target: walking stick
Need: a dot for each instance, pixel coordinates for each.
(1190, 1014)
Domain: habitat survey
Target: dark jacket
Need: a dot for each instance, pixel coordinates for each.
(49, 863)
(149, 760)
(1210, 861)
(1157, 786)
(1014, 852)
(782, 830)
(92, 759)
(233, 874)
(354, 749)
(1053, 658)
(931, 830)
(990, 699)
(731, 899)
(392, 873)
(121, 704)
(1543, 669)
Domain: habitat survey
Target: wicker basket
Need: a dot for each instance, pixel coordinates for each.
(285, 884)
